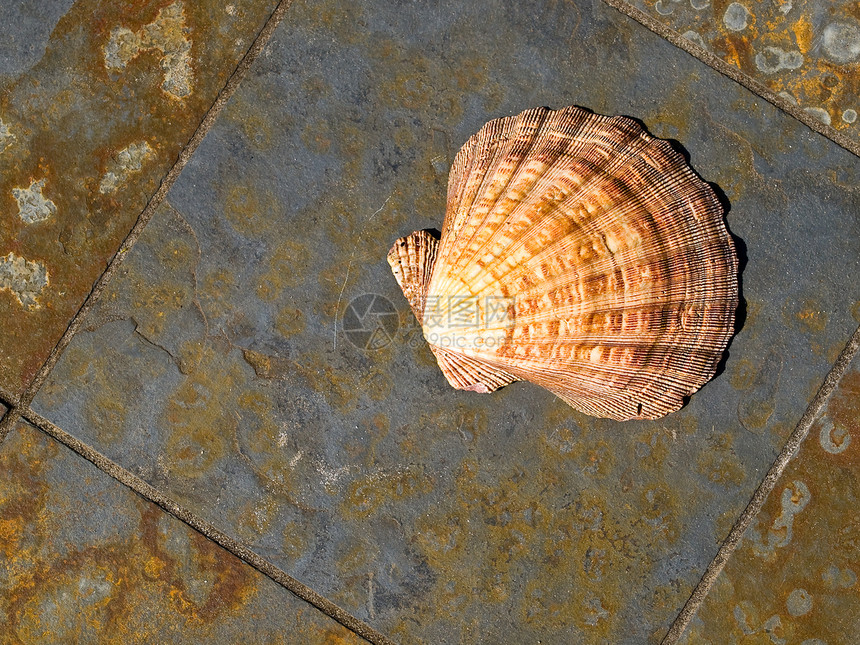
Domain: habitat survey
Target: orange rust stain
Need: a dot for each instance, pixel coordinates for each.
(810, 318)
(266, 366)
(339, 637)
(285, 268)
(720, 463)
(115, 583)
(290, 321)
(199, 417)
(803, 35)
(251, 210)
(366, 495)
(843, 410)
(742, 373)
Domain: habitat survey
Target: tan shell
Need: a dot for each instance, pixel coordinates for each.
(579, 253)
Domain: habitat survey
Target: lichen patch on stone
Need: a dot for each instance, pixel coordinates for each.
(24, 278)
(6, 136)
(127, 161)
(33, 206)
(167, 34)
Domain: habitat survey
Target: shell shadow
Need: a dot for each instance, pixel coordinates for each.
(740, 249)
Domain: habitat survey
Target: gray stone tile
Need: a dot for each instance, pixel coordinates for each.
(217, 368)
(25, 33)
(87, 560)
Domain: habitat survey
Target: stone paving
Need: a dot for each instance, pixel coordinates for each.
(198, 199)
(805, 52)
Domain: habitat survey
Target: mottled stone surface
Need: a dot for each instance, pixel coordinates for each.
(217, 368)
(806, 51)
(86, 560)
(96, 101)
(794, 577)
(25, 31)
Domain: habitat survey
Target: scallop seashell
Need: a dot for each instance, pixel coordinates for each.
(579, 253)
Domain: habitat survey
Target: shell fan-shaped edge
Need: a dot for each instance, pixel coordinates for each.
(582, 254)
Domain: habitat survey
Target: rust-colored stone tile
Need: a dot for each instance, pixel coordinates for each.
(85, 560)
(806, 51)
(91, 118)
(794, 577)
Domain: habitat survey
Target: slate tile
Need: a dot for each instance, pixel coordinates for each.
(805, 51)
(87, 560)
(96, 101)
(793, 579)
(217, 366)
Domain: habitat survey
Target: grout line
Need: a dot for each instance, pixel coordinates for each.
(8, 399)
(726, 69)
(8, 418)
(149, 210)
(235, 547)
(764, 489)
(8, 421)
